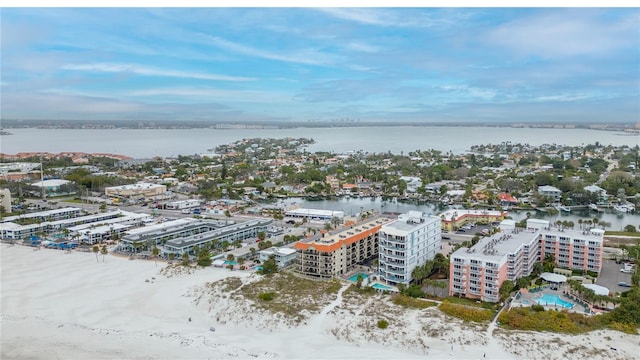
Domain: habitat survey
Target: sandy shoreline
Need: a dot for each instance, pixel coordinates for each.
(68, 306)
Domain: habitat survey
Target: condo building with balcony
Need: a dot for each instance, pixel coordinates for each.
(453, 219)
(329, 255)
(571, 249)
(479, 271)
(410, 241)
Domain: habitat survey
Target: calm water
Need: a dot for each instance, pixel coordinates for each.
(352, 206)
(149, 143)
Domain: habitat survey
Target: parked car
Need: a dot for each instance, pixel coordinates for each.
(446, 238)
(626, 271)
(624, 284)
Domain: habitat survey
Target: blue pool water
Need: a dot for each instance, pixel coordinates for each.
(258, 268)
(380, 287)
(354, 278)
(227, 262)
(550, 300)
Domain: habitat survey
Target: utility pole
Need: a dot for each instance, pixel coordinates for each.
(42, 181)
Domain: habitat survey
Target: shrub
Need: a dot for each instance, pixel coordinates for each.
(413, 291)
(383, 324)
(467, 313)
(537, 308)
(523, 318)
(268, 296)
(407, 301)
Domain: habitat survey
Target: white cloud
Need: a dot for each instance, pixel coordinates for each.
(421, 18)
(362, 47)
(569, 33)
(307, 56)
(218, 94)
(148, 71)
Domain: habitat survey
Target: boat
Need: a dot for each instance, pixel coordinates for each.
(594, 207)
(621, 208)
(625, 208)
(563, 208)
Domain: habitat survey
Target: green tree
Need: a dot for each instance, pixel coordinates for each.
(155, 252)
(269, 266)
(185, 259)
(96, 250)
(630, 228)
(203, 257)
(172, 257)
(505, 289)
(104, 251)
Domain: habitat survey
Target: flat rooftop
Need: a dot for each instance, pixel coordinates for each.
(460, 213)
(331, 241)
(498, 246)
(43, 214)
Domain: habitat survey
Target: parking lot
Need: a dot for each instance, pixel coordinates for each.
(610, 276)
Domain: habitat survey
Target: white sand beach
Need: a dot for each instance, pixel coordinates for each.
(57, 305)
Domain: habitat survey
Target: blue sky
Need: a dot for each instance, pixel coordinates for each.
(311, 64)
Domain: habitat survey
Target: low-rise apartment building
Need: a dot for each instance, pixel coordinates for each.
(187, 235)
(410, 241)
(141, 189)
(329, 255)
(479, 271)
(230, 233)
(283, 256)
(453, 219)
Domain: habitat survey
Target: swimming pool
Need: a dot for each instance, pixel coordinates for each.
(550, 300)
(354, 278)
(227, 262)
(380, 287)
(258, 268)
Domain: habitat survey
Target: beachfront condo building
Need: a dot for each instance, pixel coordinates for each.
(409, 241)
(479, 271)
(332, 254)
(453, 219)
(188, 235)
(571, 249)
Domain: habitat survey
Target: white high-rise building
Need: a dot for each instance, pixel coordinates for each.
(408, 242)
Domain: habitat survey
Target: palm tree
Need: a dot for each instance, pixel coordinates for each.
(103, 251)
(155, 252)
(580, 223)
(96, 250)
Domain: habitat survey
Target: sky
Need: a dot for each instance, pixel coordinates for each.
(321, 64)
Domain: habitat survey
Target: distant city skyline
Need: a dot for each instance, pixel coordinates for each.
(322, 64)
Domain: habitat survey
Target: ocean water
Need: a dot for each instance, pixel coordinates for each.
(145, 143)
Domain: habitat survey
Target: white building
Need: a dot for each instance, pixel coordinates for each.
(5, 200)
(141, 189)
(54, 187)
(284, 256)
(315, 214)
(408, 242)
(550, 191)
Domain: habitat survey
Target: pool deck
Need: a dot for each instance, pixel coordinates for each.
(529, 298)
